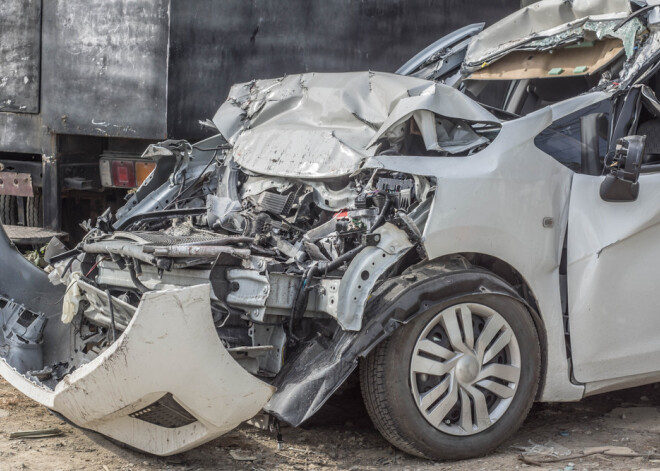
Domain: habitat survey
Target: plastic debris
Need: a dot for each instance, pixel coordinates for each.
(42, 433)
(611, 451)
(549, 449)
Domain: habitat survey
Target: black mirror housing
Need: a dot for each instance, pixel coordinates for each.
(622, 183)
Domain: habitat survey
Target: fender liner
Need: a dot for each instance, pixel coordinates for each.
(321, 365)
(25, 283)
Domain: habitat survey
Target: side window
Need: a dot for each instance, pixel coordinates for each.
(648, 124)
(651, 129)
(638, 113)
(579, 140)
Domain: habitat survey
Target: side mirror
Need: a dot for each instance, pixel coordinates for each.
(621, 184)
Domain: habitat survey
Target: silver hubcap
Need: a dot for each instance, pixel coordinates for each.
(465, 369)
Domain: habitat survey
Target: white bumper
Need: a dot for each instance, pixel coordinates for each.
(170, 346)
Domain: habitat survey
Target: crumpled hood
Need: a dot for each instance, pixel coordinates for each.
(324, 125)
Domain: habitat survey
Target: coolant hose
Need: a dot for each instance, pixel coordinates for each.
(138, 284)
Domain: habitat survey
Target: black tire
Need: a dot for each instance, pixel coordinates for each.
(8, 210)
(386, 389)
(34, 211)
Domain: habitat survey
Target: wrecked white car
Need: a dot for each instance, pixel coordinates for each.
(477, 232)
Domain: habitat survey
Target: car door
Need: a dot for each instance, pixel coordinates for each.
(613, 270)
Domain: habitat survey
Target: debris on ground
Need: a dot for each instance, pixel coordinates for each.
(328, 444)
(549, 449)
(36, 257)
(541, 458)
(43, 433)
(238, 455)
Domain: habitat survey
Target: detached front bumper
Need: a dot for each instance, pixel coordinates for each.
(165, 386)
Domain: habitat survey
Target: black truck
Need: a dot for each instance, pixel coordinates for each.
(86, 85)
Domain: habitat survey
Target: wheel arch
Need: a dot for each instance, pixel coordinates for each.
(456, 275)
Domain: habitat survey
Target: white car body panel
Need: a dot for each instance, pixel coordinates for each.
(613, 294)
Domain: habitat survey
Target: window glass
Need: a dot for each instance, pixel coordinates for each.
(579, 140)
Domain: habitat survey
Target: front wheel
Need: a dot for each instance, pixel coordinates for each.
(457, 381)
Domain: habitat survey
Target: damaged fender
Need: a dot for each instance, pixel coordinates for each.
(396, 302)
(365, 271)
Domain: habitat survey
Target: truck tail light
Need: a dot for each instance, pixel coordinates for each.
(125, 171)
(123, 174)
(143, 170)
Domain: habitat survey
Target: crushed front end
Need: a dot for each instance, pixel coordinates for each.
(238, 276)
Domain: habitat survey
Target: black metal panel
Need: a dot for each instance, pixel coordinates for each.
(104, 67)
(20, 42)
(214, 44)
(23, 133)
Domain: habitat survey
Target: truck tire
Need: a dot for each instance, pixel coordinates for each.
(457, 381)
(8, 209)
(34, 211)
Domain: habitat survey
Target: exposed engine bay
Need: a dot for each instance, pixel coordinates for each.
(274, 251)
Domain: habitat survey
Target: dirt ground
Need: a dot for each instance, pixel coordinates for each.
(341, 437)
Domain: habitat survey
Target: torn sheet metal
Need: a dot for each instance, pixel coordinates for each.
(323, 125)
(168, 359)
(590, 31)
(310, 125)
(438, 99)
(570, 62)
(364, 273)
(544, 19)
